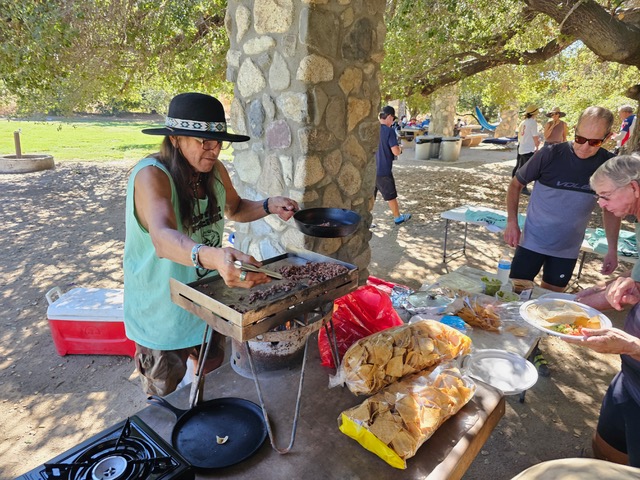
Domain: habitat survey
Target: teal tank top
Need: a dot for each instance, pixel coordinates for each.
(151, 319)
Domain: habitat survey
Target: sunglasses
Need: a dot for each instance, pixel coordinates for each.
(593, 142)
(212, 144)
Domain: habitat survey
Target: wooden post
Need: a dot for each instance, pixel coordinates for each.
(16, 140)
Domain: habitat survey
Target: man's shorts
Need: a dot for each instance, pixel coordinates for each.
(527, 264)
(387, 187)
(619, 421)
(162, 370)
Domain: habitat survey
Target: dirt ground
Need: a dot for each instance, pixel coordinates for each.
(65, 228)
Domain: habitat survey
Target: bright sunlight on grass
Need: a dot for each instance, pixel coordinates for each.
(82, 140)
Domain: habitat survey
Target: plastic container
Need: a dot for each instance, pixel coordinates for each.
(88, 321)
(423, 147)
(435, 147)
(504, 267)
(450, 149)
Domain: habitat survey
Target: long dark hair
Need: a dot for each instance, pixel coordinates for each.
(182, 174)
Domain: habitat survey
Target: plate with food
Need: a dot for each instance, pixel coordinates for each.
(562, 318)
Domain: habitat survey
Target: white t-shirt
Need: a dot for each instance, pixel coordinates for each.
(526, 131)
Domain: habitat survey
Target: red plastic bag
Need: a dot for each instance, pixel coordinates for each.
(356, 315)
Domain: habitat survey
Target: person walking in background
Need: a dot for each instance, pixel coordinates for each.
(388, 149)
(628, 119)
(528, 140)
(555, 130)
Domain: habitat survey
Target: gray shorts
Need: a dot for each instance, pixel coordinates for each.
(162, 370)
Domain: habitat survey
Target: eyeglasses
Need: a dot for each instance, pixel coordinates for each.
(607, 197)
(593, 142)
(212, 144)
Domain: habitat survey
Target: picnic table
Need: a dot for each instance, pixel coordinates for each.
(495, 221)
(319, 444)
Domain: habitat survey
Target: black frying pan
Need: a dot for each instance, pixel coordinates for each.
(195, 431)
(327, 222)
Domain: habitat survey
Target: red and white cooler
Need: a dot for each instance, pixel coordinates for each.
(88, 321)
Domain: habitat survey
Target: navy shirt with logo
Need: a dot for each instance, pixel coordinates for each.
(562, 200)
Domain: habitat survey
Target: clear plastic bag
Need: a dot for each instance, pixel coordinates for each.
(394, 423)
(380, 359)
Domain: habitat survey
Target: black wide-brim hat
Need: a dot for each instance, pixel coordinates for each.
(196, 115)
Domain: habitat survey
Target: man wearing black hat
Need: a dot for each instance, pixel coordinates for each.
(174, 227)
(388, 149)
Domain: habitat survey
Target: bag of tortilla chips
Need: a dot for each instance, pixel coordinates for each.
(395, 422)
(382, 358)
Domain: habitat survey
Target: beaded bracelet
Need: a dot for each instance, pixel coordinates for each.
(265, 205)
(195, 251)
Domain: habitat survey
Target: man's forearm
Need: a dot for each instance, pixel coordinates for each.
(513, 199)
(611, 229)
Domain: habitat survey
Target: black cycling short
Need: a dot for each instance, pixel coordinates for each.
(556, 271)
(387, 187)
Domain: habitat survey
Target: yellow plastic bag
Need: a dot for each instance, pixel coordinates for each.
(395, 422)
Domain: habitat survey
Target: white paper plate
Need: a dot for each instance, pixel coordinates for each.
(559, 296)
(503, 370)
(604, 320)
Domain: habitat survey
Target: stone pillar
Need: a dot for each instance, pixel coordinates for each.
(508, 121)
(443, 111)
(307, 75)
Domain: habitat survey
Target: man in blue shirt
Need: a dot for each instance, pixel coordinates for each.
(388, 150)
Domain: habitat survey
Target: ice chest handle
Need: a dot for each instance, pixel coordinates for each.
(51, 293)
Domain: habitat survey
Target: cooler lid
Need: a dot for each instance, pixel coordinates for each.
(504, 370)
(88, 304)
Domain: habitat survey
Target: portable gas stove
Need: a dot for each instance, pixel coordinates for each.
(127, 451)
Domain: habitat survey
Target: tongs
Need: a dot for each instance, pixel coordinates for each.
(247, 267)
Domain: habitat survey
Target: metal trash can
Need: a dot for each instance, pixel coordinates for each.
(450, 150)
(435, 147)
(423, 147)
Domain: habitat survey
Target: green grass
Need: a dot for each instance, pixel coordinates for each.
(83, 140)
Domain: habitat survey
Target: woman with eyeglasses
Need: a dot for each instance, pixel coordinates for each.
(555, 130)
(617, 187)
(176, 203)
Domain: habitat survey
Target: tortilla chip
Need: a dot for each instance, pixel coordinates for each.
(385, 430)
(403, 444)
(394, 367)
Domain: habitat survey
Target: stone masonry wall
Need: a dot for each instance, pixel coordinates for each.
(307, 75)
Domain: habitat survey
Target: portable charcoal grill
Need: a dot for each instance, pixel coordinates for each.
(230, 312)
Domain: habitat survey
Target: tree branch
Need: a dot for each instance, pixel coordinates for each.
(427, 87)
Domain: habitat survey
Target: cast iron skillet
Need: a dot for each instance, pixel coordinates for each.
(327, 222)
(195, 431)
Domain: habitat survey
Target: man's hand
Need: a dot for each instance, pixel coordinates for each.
(283, 207)
(512, 234)
(608, 340)
(609, 263)
(623, 291)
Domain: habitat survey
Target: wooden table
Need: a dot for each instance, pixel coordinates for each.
(320, 450)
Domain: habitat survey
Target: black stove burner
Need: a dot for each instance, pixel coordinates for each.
(127, 451)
